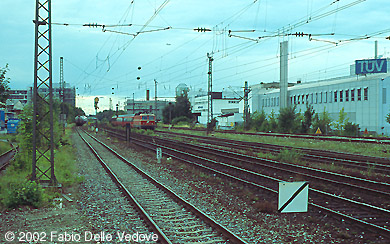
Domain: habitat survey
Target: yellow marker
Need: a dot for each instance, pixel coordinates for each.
(318, 132)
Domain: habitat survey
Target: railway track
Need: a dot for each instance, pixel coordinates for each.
(373, 217)
(370, 140)
(6, 158)
(171, 217)
(362, 162)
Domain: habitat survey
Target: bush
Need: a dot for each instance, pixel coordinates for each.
(24, 194)
(289, 156)
(351, 129)
(181, 120)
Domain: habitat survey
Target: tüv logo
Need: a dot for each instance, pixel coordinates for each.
(370, 66)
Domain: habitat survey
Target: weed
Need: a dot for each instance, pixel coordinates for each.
(289, 156)
(24, 194)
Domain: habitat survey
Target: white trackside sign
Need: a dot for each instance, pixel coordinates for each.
(293, 197)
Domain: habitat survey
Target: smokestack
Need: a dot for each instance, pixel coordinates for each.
(147, 95)
(283, 73)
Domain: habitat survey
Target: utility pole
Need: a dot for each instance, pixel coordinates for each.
(43, 136)
(133, 103)
(61, 80)
(155, 99)
(62, 94)
(246, 105)
(210, 91)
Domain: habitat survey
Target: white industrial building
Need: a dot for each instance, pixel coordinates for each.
(363, 97)
(225, 108)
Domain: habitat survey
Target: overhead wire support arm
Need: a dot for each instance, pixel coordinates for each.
(202, 29)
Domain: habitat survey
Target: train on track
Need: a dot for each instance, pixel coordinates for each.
(80, 120)
(138, 120)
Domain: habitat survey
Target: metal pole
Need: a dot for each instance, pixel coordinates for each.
(210, 92)
(155, 98)
(43, 137)
(246, 105)
(133, 103)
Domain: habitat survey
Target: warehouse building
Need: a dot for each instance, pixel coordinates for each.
(363, 95)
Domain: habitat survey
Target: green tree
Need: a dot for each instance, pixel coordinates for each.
(168, 113)
(322, 121)
(340, 123)
(258, 120)
(287, 120)
(4, 81)
(351, 129)
(272, 123)
(388, 118)
(182, 108)
(307, 119)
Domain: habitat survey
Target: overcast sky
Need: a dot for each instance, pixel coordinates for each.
(96, 62)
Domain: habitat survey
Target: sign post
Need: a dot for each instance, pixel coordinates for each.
(158, 154)
(128, 132)
(293, 197)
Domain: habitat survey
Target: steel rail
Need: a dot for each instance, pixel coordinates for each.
(272, 164)
(213, 223)
(7, 157)
(372, 140)
(383, 230)
(310, 154)
(151, 145)
(150, 222)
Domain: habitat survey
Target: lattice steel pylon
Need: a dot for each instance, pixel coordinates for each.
(43, 133)
(210, 89)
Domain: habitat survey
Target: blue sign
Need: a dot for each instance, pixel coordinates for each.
(369, 66)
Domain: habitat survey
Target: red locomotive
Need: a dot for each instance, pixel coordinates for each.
(141, 121)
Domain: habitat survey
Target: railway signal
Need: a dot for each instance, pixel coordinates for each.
(96, 103)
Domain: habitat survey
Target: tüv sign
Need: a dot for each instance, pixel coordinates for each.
(369, 66)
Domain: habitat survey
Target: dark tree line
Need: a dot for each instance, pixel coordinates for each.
(180, 111)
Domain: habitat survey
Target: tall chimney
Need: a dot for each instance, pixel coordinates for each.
(147, 95)
(283, 74)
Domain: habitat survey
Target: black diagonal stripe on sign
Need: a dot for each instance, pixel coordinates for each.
(293, 197)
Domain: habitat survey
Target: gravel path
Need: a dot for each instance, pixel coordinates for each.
(98, 208)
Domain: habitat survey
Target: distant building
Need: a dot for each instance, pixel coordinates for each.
(225, 108)
(363, 96)
(15, 103)
(18, 95)
(69, 93)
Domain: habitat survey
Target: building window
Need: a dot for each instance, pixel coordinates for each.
(277, 101)
(359, 94)
(384, 95)
(311, 98)
(295, 99)
(352, 95)
(320, 97)
(330, 97)
(326, 97)
(299, 99)
(307, 98)
(341, 96)
(346, 95)
(335, 96)
(366, 94)
(316, 100)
